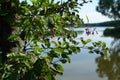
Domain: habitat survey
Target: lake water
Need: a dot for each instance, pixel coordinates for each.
(85, 66)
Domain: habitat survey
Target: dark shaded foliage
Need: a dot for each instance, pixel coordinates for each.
(114, 32)
(110, 8)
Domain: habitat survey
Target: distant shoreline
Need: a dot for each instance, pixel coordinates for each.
(106, 24)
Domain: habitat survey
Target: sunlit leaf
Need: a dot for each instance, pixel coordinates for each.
(27, 64)
(58, 50)
(37, 49)
(87, 19)
(14, 36)
(87, 41)
(103, 45)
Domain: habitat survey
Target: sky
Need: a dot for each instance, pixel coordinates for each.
(89, 10)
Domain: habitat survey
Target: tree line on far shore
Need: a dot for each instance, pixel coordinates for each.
(107, 23)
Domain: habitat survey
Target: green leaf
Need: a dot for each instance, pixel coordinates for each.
(83, 42)
(106, 55)
(34, 1)
(58, 67)
(87, 19)
(91, 52)
(50, 77)
(23, 3)
(90, 47)
(42, 45)
(9, 67)
(77, 49)
(87, 41)
(47, 43)
(55, 43)
(13, 36)
(37, 49)
(63, 60)
(75, 34)
(75, 42)
(16, 55)
(64, 55)
(53, 54)
(97, 51)
(103, 45)
(70, 52)
(76, 11)
(68, 59)
(27, 64)
(59, 50)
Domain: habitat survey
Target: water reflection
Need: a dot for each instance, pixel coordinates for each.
(110, 68)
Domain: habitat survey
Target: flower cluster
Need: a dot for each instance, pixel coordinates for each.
(90, 31)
